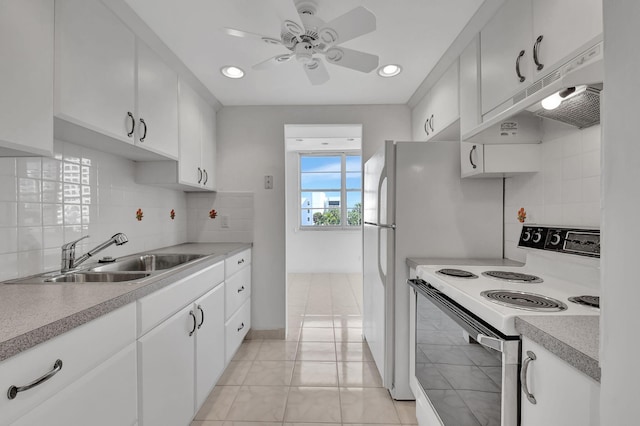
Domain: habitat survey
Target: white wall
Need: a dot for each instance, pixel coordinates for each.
(621, 202)
(565, 192)
(316, 251)
(250, 146)
(45, 202)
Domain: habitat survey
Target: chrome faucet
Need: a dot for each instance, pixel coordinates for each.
(69, 260)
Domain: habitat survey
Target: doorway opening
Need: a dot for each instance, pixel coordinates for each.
(323, 196)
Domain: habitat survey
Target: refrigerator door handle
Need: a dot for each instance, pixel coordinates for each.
(383, 275)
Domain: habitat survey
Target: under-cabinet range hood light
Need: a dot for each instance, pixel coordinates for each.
(552, 102)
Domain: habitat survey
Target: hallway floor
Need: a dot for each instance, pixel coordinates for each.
(322, 373)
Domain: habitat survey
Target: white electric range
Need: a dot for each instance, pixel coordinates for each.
(466, 349)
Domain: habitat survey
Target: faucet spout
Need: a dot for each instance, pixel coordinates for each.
(69, 260)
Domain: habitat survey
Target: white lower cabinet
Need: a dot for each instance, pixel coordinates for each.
(237, 269)
(167, 370)
(105, 396)
(210, 356)
(564, 396)
(181, 357)
(236, 328)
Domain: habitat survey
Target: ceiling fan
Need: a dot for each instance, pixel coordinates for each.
(309, 38)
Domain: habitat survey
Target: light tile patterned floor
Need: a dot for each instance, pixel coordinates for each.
(321, 375)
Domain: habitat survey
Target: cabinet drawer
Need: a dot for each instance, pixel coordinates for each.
(107, 395)
(236, 328)
(79, 349)
(160, 305)
(236, 262)
(237, 290)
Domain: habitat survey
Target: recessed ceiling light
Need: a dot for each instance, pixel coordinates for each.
(390, 70)
(232, 72)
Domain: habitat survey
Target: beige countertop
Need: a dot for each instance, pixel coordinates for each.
(33, 313)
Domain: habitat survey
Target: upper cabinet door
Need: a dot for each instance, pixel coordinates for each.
(444, 100)
(94, 68)
(157, 126)
(26, 77)
(502, 42)
(420, 114)
(564, 26)
(190, 121)
(208, 146)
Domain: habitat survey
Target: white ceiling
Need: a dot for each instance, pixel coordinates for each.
(412, 33)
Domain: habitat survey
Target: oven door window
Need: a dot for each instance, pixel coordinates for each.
(461, 378)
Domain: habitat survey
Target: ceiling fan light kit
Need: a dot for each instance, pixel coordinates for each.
(315, 38)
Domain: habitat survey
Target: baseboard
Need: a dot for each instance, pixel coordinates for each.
(276, 334)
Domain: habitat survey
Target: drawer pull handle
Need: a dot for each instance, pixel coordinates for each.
(133, 124)
(241, 326)
(521, 78)
(202, 314)
(195, 322)
(240, 262)
(471, 157)
(13, 390)
(241, 289)
(523, 376)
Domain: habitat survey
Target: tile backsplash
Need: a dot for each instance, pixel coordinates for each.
(233, 221)
(45, 202)
(566, 191)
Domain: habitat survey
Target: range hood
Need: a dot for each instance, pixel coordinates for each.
(581, 111)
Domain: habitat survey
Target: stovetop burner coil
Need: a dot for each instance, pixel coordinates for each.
(458, 273)
(593, 301)
(516, 277)
(524, 300)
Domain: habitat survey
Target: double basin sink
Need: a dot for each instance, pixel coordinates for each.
(130, 268)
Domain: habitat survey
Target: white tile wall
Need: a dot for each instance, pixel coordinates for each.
(238, 206)
(565, 192)
(45, 202)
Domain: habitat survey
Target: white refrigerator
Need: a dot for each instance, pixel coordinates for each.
(416, 205)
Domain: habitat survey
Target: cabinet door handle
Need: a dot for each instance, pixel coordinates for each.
(199, 175)
(431, 122)
(471, 157)
(241, 326)
(144, 134)
(241, 261)
(426, 127)
(520, 76)
(133, 124)
(206, 176)
(241, 289)
(13, 390)
(193, 330)
(523, 376)
(536, 48)
(202, 314)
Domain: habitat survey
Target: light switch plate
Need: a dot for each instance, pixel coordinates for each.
(268, 182)
(224, 221)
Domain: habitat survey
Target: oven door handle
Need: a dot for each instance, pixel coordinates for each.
(490, 342)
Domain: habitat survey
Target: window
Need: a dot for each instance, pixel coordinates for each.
(330, 191)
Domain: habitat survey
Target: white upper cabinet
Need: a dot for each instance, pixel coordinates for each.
(95, 69)
(208, 148)
(434, 117)
(470, 86)
(527, 39)
(157, 111)
(506, 53)
(564, 26)
(190, 136)
(26, 77)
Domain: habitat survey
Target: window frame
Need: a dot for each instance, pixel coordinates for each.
(344, 218)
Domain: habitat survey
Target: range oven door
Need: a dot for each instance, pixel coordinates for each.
(467, 370)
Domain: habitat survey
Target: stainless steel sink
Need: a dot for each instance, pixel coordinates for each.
(148, 262)
(97, 277)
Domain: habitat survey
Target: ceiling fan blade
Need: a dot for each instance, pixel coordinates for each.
(354, 59)
(346, 27)
(271, 62)
(288, 13)
(317, 72)
(245, 34)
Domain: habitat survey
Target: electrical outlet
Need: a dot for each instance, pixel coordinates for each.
(268, 182)
(224, 221)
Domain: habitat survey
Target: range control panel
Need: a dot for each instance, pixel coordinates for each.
(583, 242)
